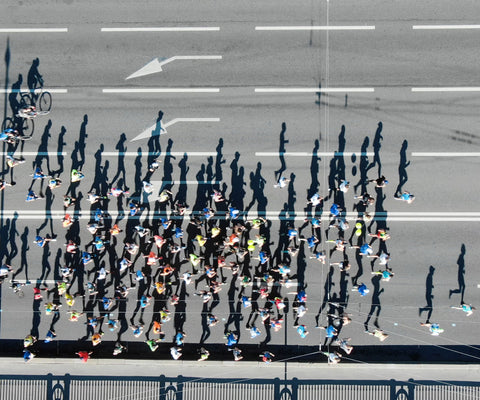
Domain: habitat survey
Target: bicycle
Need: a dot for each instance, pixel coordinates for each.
(12, 136)
(25, 126)
(44, 100)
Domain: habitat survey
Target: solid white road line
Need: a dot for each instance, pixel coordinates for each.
(33, 30)
(157, 184)
(317, 28)
(26, 91)
(445, 154)
(164, 29)
(36, 153)
(447, 89)
(307, 154)
(163, 90)
(171, 153)
(313, 90)
(273, 215)
(430, 27)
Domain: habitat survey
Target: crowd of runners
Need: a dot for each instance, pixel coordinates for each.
(153, 256)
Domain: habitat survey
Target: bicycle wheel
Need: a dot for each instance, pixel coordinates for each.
(27, 127)
(7, 124)
(45, 101)
(26, 101)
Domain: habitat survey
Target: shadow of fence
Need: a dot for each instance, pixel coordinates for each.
(71, 387)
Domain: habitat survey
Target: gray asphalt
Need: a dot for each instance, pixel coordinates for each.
(392, 59)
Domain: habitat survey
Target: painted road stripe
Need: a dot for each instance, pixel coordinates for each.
(317, 28)
(26, 91)
(116, 153)
(446, 27)
(160, 183)
(271, 215)
(36, 153)
(447, 89)
(313, 90)
(170, 153)
(164, 29)
(350, 214)
(163, 90)
(33, 30)
(307, 154)
(444, 154)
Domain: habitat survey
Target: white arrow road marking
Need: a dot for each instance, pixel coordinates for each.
(156, 65)
(158, 129)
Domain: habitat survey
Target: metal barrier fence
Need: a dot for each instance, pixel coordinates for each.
(69, 387)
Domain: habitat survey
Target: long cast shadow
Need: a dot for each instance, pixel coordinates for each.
(428, 294)
(281, 153)
(375, 307)
(402, 168)
(460, 275)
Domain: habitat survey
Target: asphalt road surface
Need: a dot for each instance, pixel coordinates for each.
(376, 65)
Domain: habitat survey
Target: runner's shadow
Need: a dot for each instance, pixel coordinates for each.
(60, 156)
(219, 160)
(180, 309)
(402, 168)
(377, 144)
(281, 153)
(167, 168)
(23, 254)
(82, 142)
(460, 276)
(237, 193)
(181, 196)
(154, 148)
(12, 239)
(4, 233)
(315, 184)
(121, 161)
(257, 184)
(428, 294)
(98, 177)
(42, 151)
(363, 167)
(375, 307)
